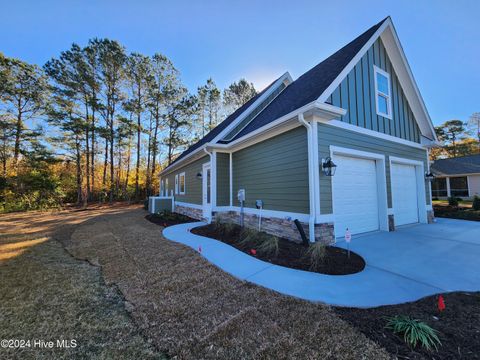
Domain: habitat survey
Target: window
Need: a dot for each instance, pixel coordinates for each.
(182, 183)
(382, 93)
(459, 186)
(176, 184)
(439, 187)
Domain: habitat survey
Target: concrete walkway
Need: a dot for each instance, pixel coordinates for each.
(405, 265)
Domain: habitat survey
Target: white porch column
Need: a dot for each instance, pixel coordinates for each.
(448, 186)
(213, 180)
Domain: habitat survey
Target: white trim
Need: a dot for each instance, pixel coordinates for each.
(231, 178)
(285, 77)
(468, 187)
(153, 198)
(390, 211)
(449, 193)
(316, 169)
(193, 206)
(176, 184)
(420, 178)
(213, 179)
(456, 175)
(166, 186)
(182, 174)
(429, 207)
(381, 180)
(331, 88)
(311, 178)
(206, 207)
(362, 130)
(388, 97)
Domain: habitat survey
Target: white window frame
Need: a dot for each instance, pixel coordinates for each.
(388, 97)
(184, 184)
(162, 188)
(176, 184)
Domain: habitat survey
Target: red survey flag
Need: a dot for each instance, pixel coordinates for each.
(253, 251)
(441, 303)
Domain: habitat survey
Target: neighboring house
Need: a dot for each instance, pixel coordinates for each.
(359, 108)
(458, 177)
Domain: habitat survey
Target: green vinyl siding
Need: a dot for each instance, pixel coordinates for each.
(356, 94)
(275, 171)
(329, 135)
(193, 185)
(223, 179)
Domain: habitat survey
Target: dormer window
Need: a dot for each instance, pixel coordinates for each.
(383, 93)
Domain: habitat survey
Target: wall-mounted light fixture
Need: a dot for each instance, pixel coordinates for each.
(199, 175)
(429, 176)
(329, 167)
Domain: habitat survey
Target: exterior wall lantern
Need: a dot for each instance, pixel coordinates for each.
(199, 175)
(329, 167)
(429, 176)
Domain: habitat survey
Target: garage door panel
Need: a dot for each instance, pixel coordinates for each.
(404, 194)
(355, 195)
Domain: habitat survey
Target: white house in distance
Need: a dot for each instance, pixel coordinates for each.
(459, 177)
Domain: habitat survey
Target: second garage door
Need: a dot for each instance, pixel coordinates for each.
(404, 194)
(355, 198)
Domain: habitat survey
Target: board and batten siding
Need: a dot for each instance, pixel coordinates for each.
(193, 185)
(223, 179)
(329, 135)
(275, 171)
(356, 94)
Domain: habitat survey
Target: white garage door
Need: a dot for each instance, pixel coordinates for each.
(404, 194)
(355, 198)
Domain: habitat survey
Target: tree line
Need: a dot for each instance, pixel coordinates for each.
(97, 123)
(458, 138)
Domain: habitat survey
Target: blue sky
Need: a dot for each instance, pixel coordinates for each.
(259, 40)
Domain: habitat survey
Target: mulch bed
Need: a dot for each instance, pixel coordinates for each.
(290, 254)
(453, 212)
(458, 325)
(169, 220)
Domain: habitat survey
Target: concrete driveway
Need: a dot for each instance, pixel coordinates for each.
(402, 266)
(443, 256)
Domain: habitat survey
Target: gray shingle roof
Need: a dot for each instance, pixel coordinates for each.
(455, 166)
(304, 90)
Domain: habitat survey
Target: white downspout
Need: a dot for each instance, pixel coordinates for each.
(311, 179)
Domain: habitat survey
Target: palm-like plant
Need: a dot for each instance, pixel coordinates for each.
(414, 331)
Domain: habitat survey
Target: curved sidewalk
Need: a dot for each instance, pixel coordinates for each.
(375, 286)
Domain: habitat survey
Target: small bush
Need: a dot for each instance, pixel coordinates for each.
(459, 199)
(476, 203)
(316, 251)
(414, 332)
(452, 201)
(225, 228)
(269, 245)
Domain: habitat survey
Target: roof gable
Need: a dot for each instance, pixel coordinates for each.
(386, 31)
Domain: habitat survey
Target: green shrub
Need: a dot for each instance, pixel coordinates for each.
(452, 201)
(316, 252)
(224, 228)
(476, 203)
(414, 332)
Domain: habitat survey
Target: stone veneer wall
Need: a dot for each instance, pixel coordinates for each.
(279, 227)
(188, 211)
(430, 216)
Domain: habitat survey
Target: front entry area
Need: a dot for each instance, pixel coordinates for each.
(206, 191)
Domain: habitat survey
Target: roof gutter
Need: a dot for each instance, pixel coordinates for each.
(311, 179)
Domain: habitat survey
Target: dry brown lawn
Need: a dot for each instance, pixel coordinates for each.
(170, 299)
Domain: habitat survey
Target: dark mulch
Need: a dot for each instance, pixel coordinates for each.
(453, 212)
(290, 254)
(458, 325)
(169, 219)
